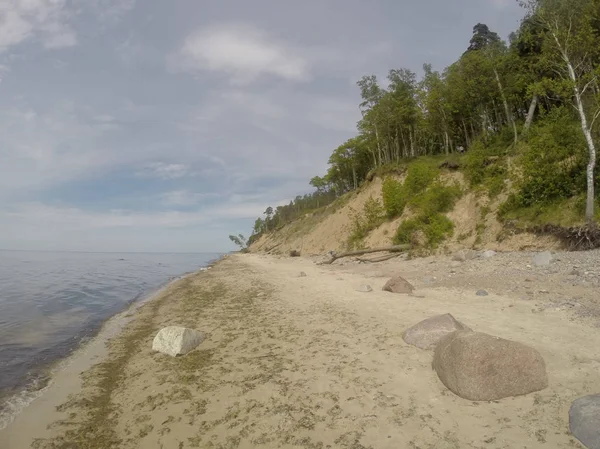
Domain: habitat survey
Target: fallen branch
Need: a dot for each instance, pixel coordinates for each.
(380, 259)
(392, 249)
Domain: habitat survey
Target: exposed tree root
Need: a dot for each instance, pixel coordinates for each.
(576, 238)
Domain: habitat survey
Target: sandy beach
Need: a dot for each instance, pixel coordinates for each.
(296, 361)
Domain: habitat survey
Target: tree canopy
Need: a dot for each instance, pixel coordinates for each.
(494, 91)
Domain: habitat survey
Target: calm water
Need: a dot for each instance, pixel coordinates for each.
(51, 301)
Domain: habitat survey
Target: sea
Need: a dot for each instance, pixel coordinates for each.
(53, 302)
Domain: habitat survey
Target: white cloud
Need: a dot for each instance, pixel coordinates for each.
(243, 52)
(177, 198)
(112, 10)
(164, 171)
(42, 148)
(47, 20)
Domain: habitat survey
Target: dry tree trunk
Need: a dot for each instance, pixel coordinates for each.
(394, 249)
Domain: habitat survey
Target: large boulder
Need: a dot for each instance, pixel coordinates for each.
(175, 340)
(429, 332)
(398, 285)
(584, 420)
(481, 367)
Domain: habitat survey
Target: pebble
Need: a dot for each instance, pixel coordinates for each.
(429, 280)
(365, 288)
(482, 293)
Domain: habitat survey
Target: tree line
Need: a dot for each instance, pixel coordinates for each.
(495, 89)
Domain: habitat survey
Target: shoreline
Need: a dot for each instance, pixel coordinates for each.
(89, 350)
(307, 361)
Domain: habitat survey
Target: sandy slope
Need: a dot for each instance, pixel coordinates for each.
(308, 362)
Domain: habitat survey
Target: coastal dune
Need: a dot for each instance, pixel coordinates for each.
(294, 361)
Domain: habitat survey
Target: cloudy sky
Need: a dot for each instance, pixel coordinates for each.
(156, 125)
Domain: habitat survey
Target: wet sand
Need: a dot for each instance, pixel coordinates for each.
(304, 362)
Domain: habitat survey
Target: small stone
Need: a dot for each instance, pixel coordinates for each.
(482, 293)
(575, 272)
(429, 280)
(488, 254)
(542, 259)
(544, 291)
(302, 274)
(365, 288)
(584, 420)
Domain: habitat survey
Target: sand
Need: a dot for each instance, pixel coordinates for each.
(307, 362)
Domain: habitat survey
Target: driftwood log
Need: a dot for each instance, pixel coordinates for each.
(379, 259)
(391, 249)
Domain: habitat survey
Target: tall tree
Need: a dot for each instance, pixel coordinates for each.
(571, 49)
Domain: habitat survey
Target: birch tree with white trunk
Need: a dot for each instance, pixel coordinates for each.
(571, 49)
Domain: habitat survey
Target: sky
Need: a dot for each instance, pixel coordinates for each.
(153, 125)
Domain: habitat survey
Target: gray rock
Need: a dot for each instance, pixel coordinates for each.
(481, 367)
(302, 274)
(584, 420)
(488, 254)
(398, 285)
(429, 280)
(542, 259)
(455, 264)
(175, 340)
(465, 254)
(429, 332)
(365, 288)
(482, 293)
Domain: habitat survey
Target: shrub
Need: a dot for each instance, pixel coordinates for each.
(554, 165)
(437, 199)
(553, 171)
(474, 163)
(362, 223)
(394, 197)
(436, 228)
(419, 177)
(484, 167)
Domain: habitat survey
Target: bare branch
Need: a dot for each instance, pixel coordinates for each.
(587, 85)
(596, 115)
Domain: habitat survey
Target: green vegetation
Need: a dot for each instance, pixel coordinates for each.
(429, 227)
(239, 240)
(435, 228)
(394, 197)
(420, 176)
(522, 113)
(373, 214)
